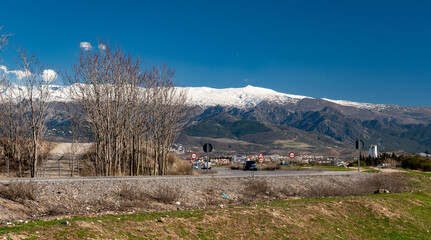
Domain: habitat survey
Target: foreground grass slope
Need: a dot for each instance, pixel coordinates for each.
(382, 216)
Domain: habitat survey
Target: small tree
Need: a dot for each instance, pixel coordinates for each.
(34, 101)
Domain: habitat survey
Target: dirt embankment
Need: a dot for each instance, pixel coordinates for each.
(29, 200)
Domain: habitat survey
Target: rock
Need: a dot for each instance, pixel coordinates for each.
(381, 191)
(65, 223)
(161, 220)
(221, 206)
(178, 203)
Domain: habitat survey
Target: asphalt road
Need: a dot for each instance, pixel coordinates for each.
(216, 172)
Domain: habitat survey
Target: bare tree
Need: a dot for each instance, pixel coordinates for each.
(35, 99)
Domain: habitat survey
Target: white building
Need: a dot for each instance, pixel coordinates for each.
(373, 151)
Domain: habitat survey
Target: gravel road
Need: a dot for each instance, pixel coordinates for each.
(217, 173)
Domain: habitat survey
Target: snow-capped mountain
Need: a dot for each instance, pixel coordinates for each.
(251, 96)
(245, 97)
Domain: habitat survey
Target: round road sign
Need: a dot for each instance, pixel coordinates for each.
(208, 147)
(260, 160)
(193, 156)
(292, 155)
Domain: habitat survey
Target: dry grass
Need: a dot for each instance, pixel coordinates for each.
(256, 189)
(179, 167)
(166, 194)
(19, 191)
(132, 193)
(55, 210)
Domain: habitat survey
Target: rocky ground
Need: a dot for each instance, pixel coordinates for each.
(41, 199)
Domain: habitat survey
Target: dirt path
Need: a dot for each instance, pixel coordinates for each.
(69, 148)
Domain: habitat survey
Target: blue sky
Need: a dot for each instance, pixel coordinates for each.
(366, 51)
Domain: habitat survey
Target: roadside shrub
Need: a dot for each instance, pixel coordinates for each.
(255, 188)
(132, 193)
(234, 167)
(328, 190)
(416, 162)
(270, 167)
(54, 210)
(180, 167)
(19, 191)
(166, 194)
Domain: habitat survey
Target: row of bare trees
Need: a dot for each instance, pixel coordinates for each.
(133, 113)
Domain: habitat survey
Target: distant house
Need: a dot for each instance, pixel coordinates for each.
(373, 151)
(425, 155)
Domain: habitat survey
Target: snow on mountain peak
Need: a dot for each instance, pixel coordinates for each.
(370, 106)
(245, 97)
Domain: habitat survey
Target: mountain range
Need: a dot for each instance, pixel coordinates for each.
(254, 119)
(260, 118)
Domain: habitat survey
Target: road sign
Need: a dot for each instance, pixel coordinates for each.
(260, 156)
(193, 156)
(292, 155)
(208, 147)
(275, 157)
(359, 144)
(238, 158)
(248, 159)
(260, 160)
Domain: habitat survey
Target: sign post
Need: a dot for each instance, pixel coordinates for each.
(292, 156)
(359, 145)
(207, 148)
(260, 158)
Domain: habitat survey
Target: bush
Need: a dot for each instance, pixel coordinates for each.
(19, 191)
(234, 167)
(416, 162)
(166, 194)
(255, 188)
(132, 193)
(181, 167)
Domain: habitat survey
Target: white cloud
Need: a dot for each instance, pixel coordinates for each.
(85, 45)
(49, 75)
(102, 46)
(18, 73)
